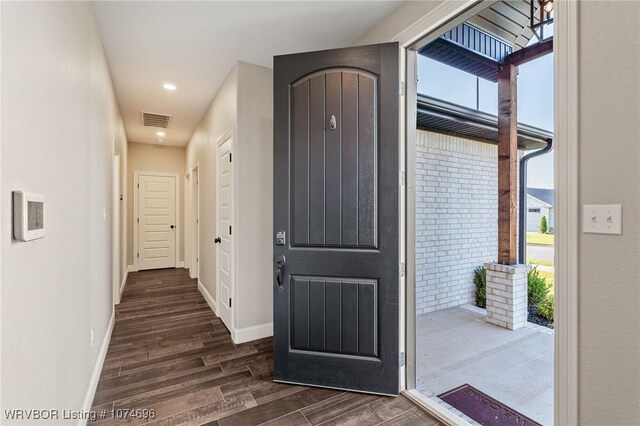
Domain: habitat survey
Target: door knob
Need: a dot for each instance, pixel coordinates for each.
(217, 240)
(173, 226)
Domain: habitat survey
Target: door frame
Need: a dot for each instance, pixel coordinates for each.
(227, 136)
(567, 216)
(194, 225)
(115, 223)
(136, 213)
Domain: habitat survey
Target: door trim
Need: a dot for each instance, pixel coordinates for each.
(116, 225)
(567, 216)
(194, 219)
(136, 213)
(566, 343)
(227, 135)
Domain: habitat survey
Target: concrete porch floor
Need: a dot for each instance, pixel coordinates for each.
(456, 346)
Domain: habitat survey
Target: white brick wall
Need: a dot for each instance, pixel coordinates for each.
(456, 217)
(507, 295)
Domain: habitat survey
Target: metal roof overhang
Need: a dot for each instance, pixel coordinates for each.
(445, 117)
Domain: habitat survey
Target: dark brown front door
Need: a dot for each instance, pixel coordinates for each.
(336, 218)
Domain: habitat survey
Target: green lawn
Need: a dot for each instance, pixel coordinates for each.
(537, 238)
(540, 262)
(549, 277)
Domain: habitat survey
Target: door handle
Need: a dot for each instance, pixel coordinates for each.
(281, 261)
(173, 226)
(217, 240)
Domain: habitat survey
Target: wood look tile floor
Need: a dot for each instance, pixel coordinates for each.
(170, 353)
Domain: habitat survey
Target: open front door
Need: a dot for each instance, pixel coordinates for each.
(336, 189)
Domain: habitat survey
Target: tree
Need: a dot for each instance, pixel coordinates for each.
(543, 225)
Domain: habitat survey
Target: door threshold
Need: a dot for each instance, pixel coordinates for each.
(332, 387)
(439, 411)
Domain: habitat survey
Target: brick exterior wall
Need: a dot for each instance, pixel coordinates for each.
(456, 217)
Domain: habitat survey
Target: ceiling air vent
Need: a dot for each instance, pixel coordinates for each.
(151, 119)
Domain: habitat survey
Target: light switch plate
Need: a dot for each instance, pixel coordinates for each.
(602, 218)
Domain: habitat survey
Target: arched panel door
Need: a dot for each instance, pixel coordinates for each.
(336, 220)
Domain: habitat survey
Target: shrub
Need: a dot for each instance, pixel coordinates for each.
(546, 308)
(480, 280)
(550, 230)
(543, 225)
(538, 289)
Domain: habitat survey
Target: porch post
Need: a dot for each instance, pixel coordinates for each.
(507, 281)
(507, 164)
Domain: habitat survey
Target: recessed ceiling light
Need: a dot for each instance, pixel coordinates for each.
(160, 140)
(160, 134)
(169, 86)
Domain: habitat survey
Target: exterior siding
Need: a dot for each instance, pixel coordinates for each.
(456, 217)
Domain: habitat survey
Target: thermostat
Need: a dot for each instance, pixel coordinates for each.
(28, 216)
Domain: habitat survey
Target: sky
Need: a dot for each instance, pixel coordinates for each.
(535, 100)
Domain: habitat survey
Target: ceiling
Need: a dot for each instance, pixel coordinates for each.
(194, 45)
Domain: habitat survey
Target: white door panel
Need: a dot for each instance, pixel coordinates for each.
(225, 231)
(157, 214)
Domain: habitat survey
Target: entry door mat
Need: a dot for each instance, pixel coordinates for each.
(483, 409)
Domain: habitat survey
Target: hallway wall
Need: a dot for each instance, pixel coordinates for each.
(244, 105)
(154, 158)
(201, 150)
(60, 118)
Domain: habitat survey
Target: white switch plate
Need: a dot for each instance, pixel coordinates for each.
(602, 218)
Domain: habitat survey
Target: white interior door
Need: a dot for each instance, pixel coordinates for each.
(224, 238)
(157, 227)
(115, 222)
(195, 208)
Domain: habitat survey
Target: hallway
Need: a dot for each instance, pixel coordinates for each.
(169, 353)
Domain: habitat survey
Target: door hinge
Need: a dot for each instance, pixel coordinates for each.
(402, 269)
(138, 185)
(197, 259)
(229, 302)
(229, 229)
(230, 157)
(402, 88)
(401, 178)
(401, 359)
(138, 219)
(137, 254)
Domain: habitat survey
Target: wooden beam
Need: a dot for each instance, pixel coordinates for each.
(530, 53)
(507, 165)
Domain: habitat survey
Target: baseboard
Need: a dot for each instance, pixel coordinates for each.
(124, 282)
(97, 369)
(208, 297)
(247, 334)
(180, 265)
(132, 268)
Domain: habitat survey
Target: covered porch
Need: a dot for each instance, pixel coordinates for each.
(457, 345)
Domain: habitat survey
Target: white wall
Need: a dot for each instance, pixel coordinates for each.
(219, 118)
(243, 105)
(456, 217)
(254, 149)
(609, 137)
(155, 158)
(59, 117)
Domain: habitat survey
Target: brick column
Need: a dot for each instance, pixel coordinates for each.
(507, 295)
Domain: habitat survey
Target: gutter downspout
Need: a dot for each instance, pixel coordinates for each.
(522, 243)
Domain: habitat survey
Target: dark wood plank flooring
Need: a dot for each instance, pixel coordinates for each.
(170, 353)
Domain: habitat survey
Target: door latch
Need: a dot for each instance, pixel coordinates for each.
(281, 238)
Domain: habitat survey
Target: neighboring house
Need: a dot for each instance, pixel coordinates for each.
(539, 203)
